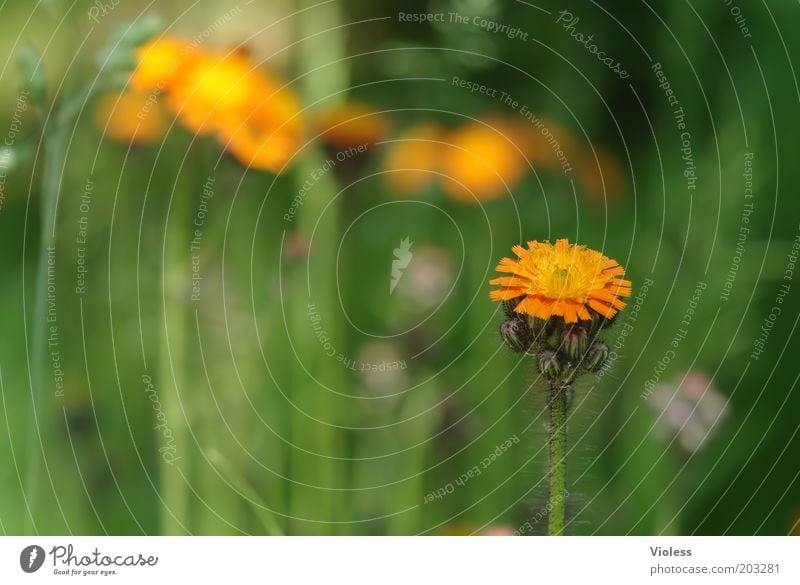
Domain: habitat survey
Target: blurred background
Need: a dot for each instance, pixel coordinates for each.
(247, 245)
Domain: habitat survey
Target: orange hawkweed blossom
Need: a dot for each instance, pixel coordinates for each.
(269, 135)
(412, 160)
(485, 159)
(214, 90)
(223, 94)
(481, 162)
(562, 279)
(157, 63)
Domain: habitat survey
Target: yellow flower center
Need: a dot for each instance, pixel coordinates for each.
(570, 274)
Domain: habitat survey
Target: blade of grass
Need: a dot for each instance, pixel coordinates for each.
(247, 491)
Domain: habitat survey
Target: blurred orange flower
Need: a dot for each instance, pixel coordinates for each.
(412, 161)
(261, 145)
(215, 90)
(130, 117)
(352, 124)
(481, 162)
(269, 132)
(254, 116)
(158, 62)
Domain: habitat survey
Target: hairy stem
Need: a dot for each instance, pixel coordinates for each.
(557, 444)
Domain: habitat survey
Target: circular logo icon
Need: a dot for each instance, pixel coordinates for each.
(31, 558)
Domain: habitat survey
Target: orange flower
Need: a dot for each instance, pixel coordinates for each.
(158, 63)
(130, 117)
(216, 91)
(226, 95)
(412, 162)
(352, 124)
(267, 136)
(261, 147)
(562, 279)
(481, 163)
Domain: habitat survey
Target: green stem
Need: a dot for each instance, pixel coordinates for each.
(172, 379)
(316, 503)
(55, 145)
(55, 141)
(325, 74)
(557, 444)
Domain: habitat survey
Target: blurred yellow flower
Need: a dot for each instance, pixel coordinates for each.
(352, 124)
(216, 90)
(158, 63)
(130, 117)
(412, 160)
(562, 279)
(481, 162)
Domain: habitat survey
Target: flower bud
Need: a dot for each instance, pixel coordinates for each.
(549, 366)
(515, 335)
(596, 356)
(537, 325)
(574, 340)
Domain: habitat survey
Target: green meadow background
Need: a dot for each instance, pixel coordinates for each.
(130, 408)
